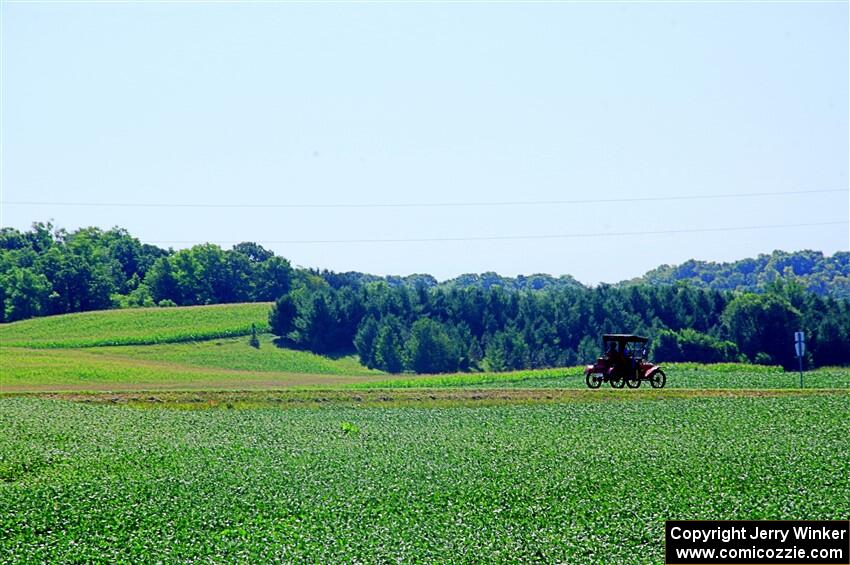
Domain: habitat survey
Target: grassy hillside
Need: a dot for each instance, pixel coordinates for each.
(216, 365)
(236, 354)
(137, 326)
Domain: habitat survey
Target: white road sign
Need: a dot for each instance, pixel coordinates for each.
(800, 343)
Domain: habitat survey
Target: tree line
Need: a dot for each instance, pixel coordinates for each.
(824, 275)
(439, 329)
(45, 271)
(414, 323)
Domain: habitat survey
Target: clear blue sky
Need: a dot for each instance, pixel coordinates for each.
(375, 103)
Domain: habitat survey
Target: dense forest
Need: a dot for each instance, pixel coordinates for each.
(45, 271)
(821, 275)
(448, 329)
(415, 323)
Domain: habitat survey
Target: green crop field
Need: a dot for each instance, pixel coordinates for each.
(136, 326)
(679, 375)
(576, 482)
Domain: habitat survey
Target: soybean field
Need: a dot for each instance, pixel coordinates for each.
(577, 482)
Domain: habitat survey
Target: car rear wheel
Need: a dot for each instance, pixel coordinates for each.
(617, 381)
(659, 379)
(633, 381)
(593, 381)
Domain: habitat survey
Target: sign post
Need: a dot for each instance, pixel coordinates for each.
(800, 348)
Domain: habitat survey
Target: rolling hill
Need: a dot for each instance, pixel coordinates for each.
(158, 348)
(137, 326)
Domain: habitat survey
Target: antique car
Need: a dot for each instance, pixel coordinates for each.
(624, 363)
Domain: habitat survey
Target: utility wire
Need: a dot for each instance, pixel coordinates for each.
(418, 204)
(521, 237)
(412, 2)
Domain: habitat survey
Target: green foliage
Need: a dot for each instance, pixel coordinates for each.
(523, 483)
(316, 324)
(139, 297)
(25, 294)
(388, 353)
(349, 429)
(667, 348)
(691, 345)
(253, 251)
(46, 271)
(282, 316)
(762, 358)
(588, 349)
(203, 274)
(822, 275)
(429, 348)
(82, 274)
(474, 356)
(506, 351)
(500, 330)
(272, 279)
(318, 318)
(254, 341)
(364, 341)
(483, 281)
(761, 326)
(830, 347)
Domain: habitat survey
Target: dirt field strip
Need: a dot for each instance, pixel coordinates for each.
(403, 397)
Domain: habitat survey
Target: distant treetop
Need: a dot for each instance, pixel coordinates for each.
(823, 275)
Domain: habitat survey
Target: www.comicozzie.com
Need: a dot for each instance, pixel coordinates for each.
(757, 542)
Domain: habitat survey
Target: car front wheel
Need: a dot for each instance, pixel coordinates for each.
(659, 379)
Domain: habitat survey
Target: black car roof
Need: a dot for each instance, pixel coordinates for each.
(625, 337)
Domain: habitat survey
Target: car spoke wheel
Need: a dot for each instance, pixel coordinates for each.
(633, 382)
(659, 379)
(592, 380)
(617, 381)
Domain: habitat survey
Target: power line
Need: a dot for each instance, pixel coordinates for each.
(518, 237)
(418, 204)
(441, 2)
